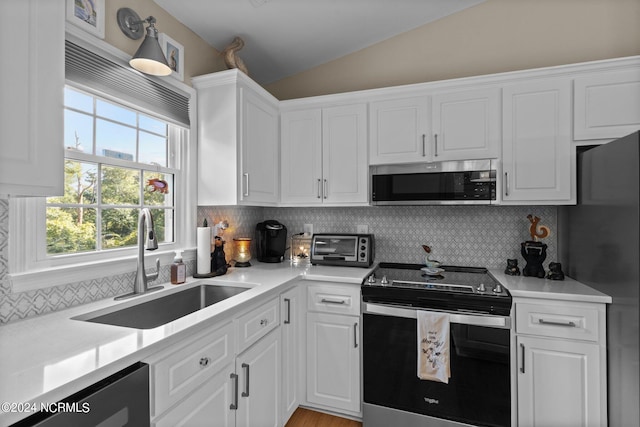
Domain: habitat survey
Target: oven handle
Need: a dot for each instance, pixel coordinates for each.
(500, 322)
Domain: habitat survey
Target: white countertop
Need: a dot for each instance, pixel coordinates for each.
(533, 287)
(46, 358)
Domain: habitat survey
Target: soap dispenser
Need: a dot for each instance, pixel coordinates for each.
(178, 270)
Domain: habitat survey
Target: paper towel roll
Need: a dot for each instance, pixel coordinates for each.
(203, 240)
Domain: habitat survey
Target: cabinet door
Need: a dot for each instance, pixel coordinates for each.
(209, 405)
(258, 371)
(31, 104)
(536, 148)
(466, 125)
(291, 351)
(333, 361)
(558, 383)
(398, 130)
(301, 179)
(607, 105)
(260, 159)
(344, 154)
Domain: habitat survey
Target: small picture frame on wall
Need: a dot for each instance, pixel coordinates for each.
(174, 52)
(88, 15)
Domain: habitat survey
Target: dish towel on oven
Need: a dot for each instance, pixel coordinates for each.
(433, 346)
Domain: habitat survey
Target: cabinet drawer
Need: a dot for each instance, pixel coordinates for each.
(562, 321)
(327, 298)
(177, 374)
(257, 323)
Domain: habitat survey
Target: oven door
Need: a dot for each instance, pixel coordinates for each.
(478, 391)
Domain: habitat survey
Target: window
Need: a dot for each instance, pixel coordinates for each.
(117, 161)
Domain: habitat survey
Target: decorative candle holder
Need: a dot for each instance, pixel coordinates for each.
(300, 248)
(243, 251)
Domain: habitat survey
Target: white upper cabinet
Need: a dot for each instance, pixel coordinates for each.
(607, 104)
(536, 149)
(301, 178)
(466, 125)
(31, 104)
(324, 156)
(259, 141)
(458, 125)
(398, 129)
(237, 141)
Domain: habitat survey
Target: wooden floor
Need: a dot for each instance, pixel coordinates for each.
(307, 418)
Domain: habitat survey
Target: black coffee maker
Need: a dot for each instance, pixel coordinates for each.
(271, 241)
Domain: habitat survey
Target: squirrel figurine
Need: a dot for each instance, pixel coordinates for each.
(533, 229)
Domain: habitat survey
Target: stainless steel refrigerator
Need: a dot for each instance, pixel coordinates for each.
(599, 245)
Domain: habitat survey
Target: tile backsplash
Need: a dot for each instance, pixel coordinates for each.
(459, 235)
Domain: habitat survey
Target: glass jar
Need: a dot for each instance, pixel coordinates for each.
(300, 248)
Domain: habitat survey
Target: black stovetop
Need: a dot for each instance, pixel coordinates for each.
(456, 288)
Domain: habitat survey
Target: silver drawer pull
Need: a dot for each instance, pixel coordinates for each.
(552, 322)
(331, 301)
(234, 404)
(264, 322)
(245, 393)
(205, 361)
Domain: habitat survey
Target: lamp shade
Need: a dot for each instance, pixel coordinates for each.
(149, 58)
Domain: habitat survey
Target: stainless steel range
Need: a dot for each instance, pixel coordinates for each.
(478, 392)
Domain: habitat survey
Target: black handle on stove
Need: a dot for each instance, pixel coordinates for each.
(486, 320)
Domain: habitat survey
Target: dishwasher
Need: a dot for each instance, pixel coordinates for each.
(119, 400)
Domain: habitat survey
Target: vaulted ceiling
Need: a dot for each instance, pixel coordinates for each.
(285, 37)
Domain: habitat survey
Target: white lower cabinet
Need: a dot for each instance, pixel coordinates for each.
(209, 405)
(561, 364)
(290, 307)
(258, 388)
(558, 383)
(226, 375)
(333, 347)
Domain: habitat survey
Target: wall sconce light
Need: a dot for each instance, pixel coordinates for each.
(149, 58)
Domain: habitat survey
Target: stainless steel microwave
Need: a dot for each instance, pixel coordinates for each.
(351, 250)
(454, 182)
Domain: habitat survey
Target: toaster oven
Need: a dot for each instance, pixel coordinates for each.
(352, 250)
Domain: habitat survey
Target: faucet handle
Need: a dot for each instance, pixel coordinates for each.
(154, 275)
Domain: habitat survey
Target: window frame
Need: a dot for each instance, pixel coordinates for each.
(28, 270)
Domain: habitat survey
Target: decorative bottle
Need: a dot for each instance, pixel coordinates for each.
(178, 270)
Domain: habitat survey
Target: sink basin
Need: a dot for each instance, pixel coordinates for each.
(165, 309)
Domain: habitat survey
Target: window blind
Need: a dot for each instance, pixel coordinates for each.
(87, 68)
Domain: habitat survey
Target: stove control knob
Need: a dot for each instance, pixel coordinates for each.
(372, 279)
(482, 288)
(384, 281)
(497, 289)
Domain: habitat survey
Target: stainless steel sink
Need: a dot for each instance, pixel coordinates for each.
(160, 311)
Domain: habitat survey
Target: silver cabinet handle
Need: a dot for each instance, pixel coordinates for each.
(355, 335)
(424, 143)
(234, 404)
(264, 322)
(569, 323)
(331, 301)
(506, 183)
(435, 137)
(245, 393)
(522, 365)
(288, 319)
(246, 188)
(324, 189)
(204, 362)
(319, 188)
